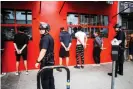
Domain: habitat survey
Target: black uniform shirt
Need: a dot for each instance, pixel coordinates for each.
(47, 43)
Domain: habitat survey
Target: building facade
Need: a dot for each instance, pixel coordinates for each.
(90, 15)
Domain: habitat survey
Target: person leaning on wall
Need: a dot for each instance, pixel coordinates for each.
(20, 44)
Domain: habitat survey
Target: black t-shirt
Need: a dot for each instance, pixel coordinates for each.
(20, 39)
(47, 43)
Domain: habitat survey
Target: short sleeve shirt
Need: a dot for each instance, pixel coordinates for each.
(81, 35)
(65, 37)
(47, 43)
(21, 39)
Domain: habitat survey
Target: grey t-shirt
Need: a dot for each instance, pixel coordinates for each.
(97, 42)
(65, 37)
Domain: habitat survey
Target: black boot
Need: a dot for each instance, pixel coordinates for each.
(120, 73)
(110, 74)
(59, 69)
(82, 66)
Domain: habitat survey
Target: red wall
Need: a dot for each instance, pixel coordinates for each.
(50, 13)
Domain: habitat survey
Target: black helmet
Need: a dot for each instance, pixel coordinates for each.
(117, 26)
(44, 26)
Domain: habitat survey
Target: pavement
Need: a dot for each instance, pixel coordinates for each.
(91, 77)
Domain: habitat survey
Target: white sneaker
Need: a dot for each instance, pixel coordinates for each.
(26, 73)
(97, 64)
(16, 73)
(3, 73)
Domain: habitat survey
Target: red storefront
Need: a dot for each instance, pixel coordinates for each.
(55, 13)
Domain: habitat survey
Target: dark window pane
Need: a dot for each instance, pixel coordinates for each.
(27, 31)
(101, 20)
(21, 17)
(95, 20)
(7, 17)
(9, 32)
(72, 31)
(86, 31)
(93, 30)
(72, 19)
(105, 20)
(84, 19)
(29, 17)
(104, 32)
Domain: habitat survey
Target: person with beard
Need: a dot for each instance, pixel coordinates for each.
(120, 35)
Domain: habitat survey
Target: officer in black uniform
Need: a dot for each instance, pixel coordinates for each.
(120, 35)
(46, 56)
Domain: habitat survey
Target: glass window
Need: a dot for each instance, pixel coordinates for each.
(72, 31)
(7, 16)
(9, 32)
(105, 21)
(84, 19)
(24, 17)
(21, 17)
(95, 20)
(101, 20)
(72, 19)
(93, 30)
(29, 17)
(104, 32)
(90, 23)
(86, 30)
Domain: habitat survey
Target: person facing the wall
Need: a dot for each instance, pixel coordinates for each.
(65, 40)
(131, 48)
(20, 44)
(81, 45)
(46, 56)
(97, 47)
(120, 35)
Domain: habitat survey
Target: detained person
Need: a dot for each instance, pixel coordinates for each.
(20, 44)
(65, 40)
(80, 46)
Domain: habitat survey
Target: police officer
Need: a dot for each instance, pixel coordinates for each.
(120, 35)
(46, 56)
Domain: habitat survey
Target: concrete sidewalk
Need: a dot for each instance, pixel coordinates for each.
(91, 77)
